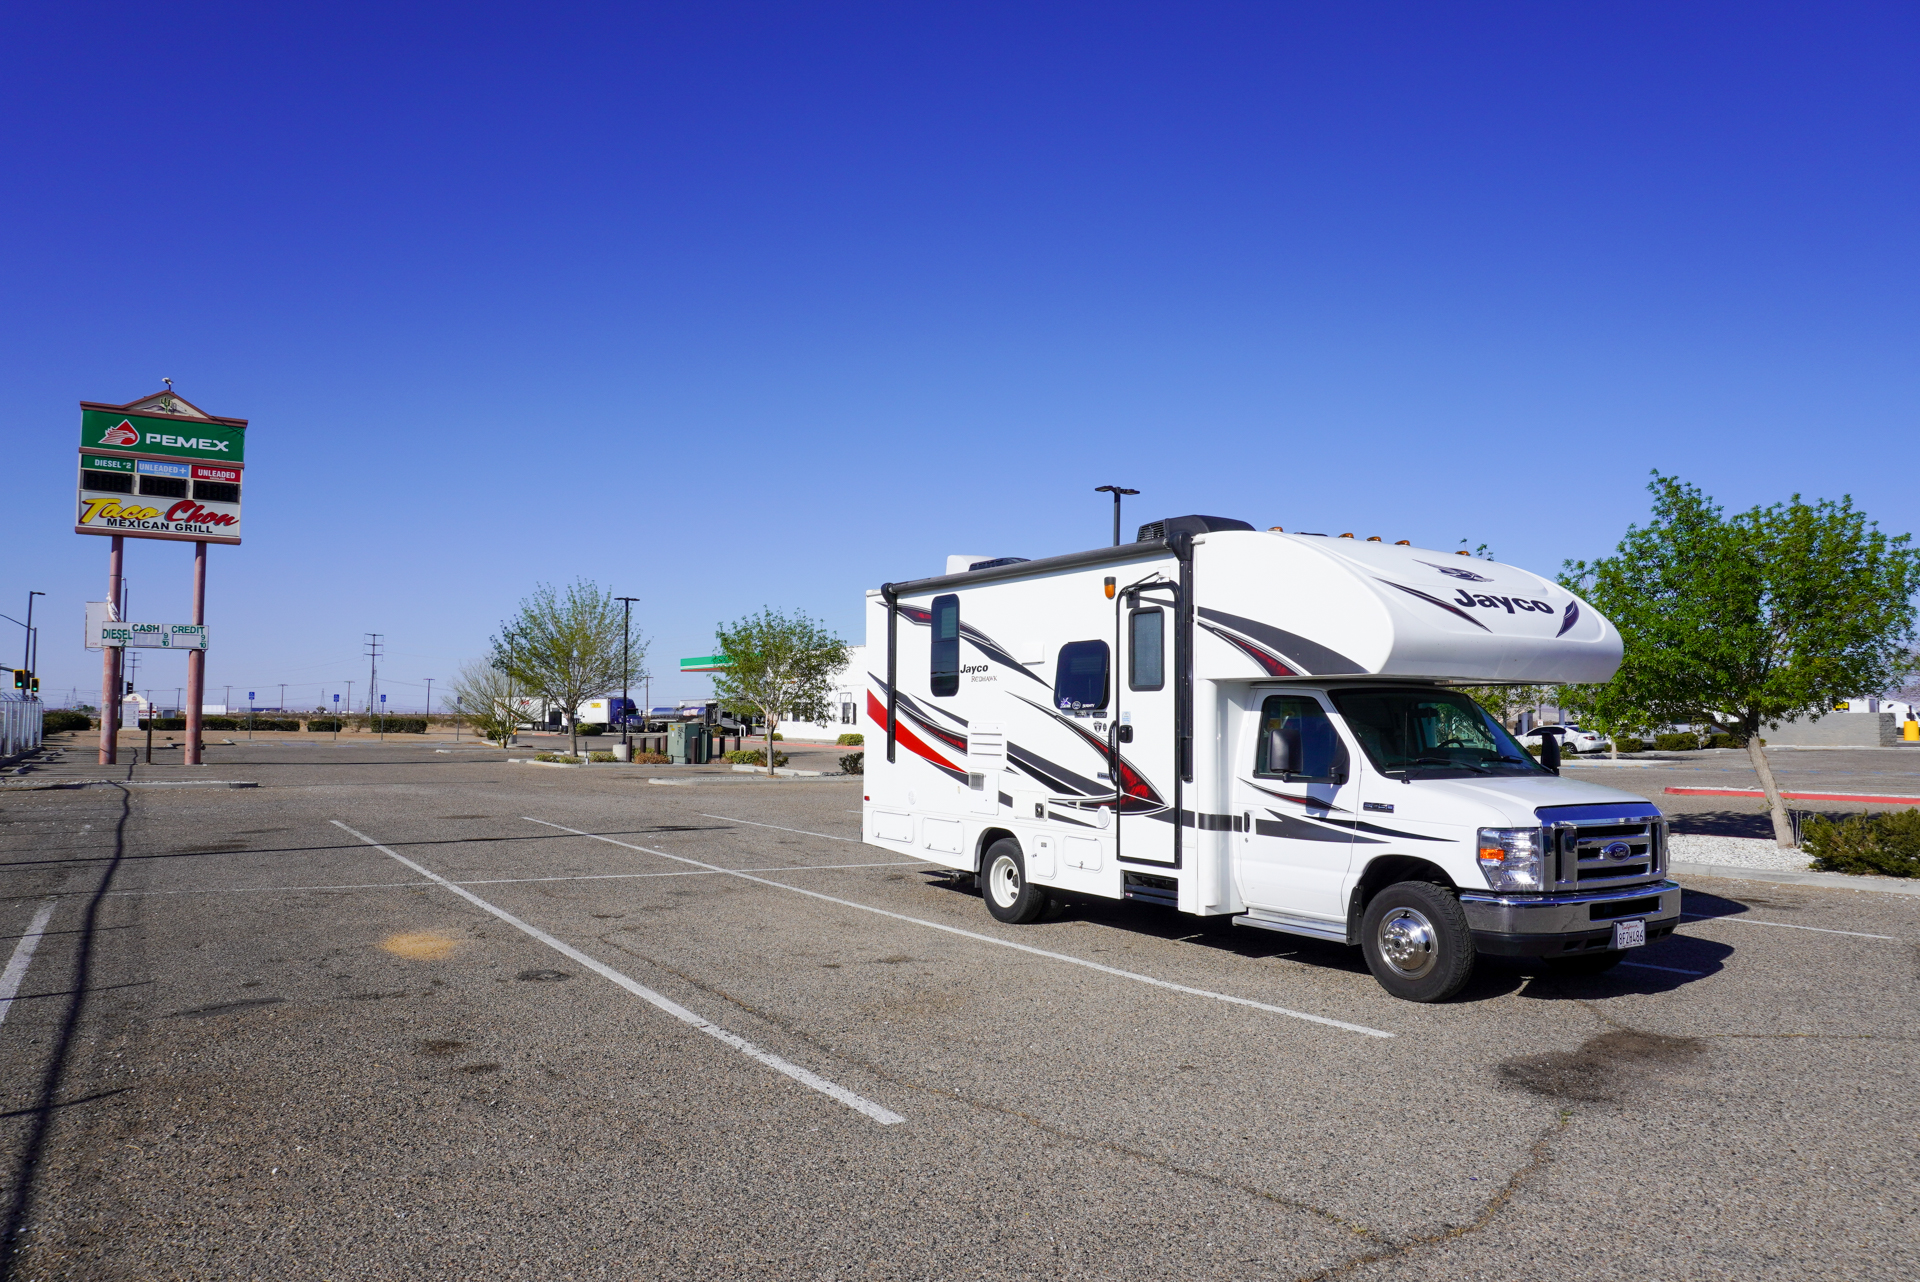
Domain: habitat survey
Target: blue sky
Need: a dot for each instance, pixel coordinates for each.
(514, 295)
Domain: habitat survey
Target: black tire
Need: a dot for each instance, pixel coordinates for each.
(1588, 963)
(1417, 941)
(1003, 884)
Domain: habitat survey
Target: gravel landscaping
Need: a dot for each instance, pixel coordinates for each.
(1735, 852)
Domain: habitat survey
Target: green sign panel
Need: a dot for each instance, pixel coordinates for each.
(164, 436)
(706, 663)
(100, 463)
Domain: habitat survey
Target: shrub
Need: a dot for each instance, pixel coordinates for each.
(265, 723)
(163, 723)
(1676, 742)
(851, 740)
(854, 763)
(1722, 741)
(55, 722)
(393, 725)
(221, 723)
(755, 757)
(560, 757)
(324, 725)
(778, 737)
(600, 756)
(1888, 844)
(1627, 743)
(593, 727)
(651, 759)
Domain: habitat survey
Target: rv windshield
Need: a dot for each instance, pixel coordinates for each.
(1431, 733)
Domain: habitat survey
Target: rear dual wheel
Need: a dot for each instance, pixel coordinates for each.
(1003, 882)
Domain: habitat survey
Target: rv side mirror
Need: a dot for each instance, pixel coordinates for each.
(1550, 752)
(1279, 760)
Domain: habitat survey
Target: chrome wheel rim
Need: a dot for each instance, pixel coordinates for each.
(1003, 881)
(1408, 943)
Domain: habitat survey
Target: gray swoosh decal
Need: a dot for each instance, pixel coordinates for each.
(1316, 660)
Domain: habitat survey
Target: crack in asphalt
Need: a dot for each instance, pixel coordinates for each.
(1537, 1157)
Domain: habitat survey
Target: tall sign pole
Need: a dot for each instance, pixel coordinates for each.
(157, 468)
(197, 659)
(110, 664)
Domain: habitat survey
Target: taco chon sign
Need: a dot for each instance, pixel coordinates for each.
(160, 469)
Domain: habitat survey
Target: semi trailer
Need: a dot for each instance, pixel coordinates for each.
(1266, 726)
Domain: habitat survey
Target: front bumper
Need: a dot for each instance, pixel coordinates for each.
(1555, 925)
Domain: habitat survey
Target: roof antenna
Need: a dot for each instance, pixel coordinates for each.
(168, 382)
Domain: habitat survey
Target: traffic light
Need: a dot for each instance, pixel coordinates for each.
(19, 678)
(129, 687)
(36, 682)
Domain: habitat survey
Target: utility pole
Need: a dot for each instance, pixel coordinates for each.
(283, 696)
(1116, 491)
(373, 667)
(626, 666)
(429, 702)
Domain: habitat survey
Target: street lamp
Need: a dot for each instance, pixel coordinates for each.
(429, 703)
(626, 666)
(1116, 491)
(27, 663)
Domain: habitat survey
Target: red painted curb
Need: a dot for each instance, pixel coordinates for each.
(1794, 796)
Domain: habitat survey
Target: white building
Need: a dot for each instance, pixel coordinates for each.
(846, 704)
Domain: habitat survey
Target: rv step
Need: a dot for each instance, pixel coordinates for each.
(1332, 931)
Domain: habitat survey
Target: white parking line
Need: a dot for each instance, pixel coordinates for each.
(985, 939)
(16, 971)
(777, 828)
(1787, 925)
(504, 881)
(1671, 970)
(860, 1104)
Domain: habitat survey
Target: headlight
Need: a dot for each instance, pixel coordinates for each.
(1510, 858)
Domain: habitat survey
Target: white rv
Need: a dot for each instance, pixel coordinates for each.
(1258, 724)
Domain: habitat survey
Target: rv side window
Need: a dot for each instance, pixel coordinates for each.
(1297, 741)
(1080, 676)
(946, 645)
(1146, 665)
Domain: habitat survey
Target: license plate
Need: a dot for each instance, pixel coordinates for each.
(1629, 934)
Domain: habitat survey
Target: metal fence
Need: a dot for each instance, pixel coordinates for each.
(19, 724)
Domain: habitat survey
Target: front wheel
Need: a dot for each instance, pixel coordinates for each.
(1003, 881)
(1417, 941)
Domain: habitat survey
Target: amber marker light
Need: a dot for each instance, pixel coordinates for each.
(1109, 589)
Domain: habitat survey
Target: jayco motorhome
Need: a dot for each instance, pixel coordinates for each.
(1265, 725)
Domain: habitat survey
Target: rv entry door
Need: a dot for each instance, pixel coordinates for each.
(1142, 736)
(1297, 802)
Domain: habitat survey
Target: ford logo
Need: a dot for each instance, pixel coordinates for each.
(1616, 850)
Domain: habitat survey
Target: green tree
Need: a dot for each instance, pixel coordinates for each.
(779, 666)
(1752, 620)
(566, 647)
(1506, 703)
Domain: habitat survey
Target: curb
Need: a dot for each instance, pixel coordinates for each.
(1830, 880)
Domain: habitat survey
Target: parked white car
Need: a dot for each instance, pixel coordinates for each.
(1572, 739)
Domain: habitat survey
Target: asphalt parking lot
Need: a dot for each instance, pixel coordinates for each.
(398, 1012)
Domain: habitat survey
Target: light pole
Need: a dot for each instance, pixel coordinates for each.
(27, 649)
(626, 666)
(1116, 491)
(429, 702)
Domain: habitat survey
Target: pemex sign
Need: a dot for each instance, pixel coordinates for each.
(160, 468)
